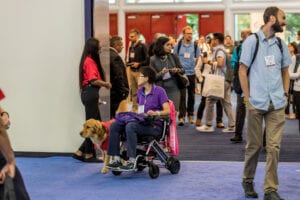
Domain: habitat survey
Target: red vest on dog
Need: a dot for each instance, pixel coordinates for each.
(106, 125)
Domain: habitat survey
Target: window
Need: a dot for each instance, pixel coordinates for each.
(170, 1)
(251, 21)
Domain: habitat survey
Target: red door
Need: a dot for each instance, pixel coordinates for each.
(211, 22)
(140, 21)
(163, 23)
(113, 24)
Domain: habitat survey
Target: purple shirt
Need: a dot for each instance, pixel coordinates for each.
(154, 100)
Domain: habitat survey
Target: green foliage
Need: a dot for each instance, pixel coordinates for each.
(293, 26)
(192, 21)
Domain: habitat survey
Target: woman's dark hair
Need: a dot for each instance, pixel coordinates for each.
(159, 46)
(149, 72)
(295, 46)
(91, 48)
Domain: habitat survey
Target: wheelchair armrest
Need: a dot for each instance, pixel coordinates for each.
(156, 117)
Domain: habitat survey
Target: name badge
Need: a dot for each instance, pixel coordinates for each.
(187, 55)
(270, 60)
(131, 55)
(141, 109)
(166, 76)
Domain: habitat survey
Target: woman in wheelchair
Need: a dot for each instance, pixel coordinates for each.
(153, 101)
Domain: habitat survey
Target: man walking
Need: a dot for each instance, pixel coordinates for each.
(265, 95)
(137, 57)
(219, 58)
(188, 53)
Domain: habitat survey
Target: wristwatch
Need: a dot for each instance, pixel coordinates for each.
(286, 94)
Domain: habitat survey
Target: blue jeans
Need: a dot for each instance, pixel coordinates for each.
(132, 130)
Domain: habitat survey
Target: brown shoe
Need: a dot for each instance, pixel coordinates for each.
(191, 119)
(198, 122)
(181, 122)
(220, 125)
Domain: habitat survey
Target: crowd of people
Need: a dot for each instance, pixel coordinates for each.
(153, 78)
(161, 65)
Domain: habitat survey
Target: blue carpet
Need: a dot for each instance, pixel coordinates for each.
(63, 178)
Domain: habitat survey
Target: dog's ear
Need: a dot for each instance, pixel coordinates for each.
(98, 128)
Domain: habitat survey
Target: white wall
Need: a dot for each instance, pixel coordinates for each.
(40, 47)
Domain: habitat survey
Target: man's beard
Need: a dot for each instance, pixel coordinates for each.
(277, 28)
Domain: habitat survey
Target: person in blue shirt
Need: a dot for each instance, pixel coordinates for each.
(265, 89)
(188, 53)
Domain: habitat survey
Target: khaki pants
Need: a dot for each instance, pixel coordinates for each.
(134, 87)
(274, 122)
(226, 103)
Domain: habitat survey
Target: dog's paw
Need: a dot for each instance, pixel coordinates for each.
(104, 170)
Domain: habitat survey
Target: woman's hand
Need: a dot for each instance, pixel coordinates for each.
(107, 85)
(164, 70)
(175, 70)
(5, 120)
(9, 169)
(152, 113)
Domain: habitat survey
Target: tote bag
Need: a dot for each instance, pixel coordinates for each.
(214, 86)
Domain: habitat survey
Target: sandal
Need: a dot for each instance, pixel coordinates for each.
(75, 156)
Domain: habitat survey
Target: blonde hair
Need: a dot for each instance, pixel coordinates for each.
(187, 28)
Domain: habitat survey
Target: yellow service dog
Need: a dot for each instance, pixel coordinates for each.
(98, 132)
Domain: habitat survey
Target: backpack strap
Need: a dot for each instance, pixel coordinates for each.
(279, 44)
(195, 49)
(179, 46)
(255, 53)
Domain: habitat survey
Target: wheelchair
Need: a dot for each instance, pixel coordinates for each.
(152, 153)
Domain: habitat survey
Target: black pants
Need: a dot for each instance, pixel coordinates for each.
(189, 107)
(240, 115)
(114, 103)
(296, 99)
(90, 98)
(201, 109)
(19, 186)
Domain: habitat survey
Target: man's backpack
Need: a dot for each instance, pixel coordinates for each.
(236, 80)
(179, 46)
(229, 70)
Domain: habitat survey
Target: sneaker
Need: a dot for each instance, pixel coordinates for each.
(191, 119)
(229, 129)
(205, 128)
(181, 122)
(114, 165)
(237, 139)
(272, 196)
(249, 190)
(198, 122)
(292, 116)
(128, 167)
(220, 125)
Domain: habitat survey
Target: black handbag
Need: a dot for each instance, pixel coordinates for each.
(182, 80)
(8, 192)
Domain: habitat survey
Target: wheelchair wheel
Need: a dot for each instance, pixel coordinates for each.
(173, 165)
(153, 170)
(116, 173)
